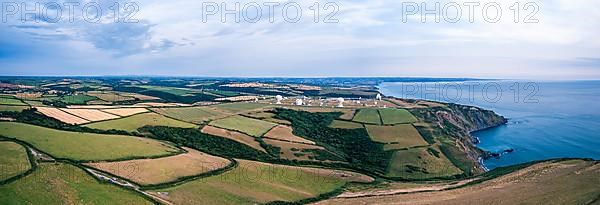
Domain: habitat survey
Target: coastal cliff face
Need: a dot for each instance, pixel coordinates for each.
(452, 125)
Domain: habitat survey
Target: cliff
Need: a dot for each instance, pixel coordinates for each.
(452, 125)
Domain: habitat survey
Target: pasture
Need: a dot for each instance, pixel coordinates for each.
(252, 127)
(282, 132)
(85, 146)
(391, 116)
(132, 123)
(190, 114)
(421, 163)
(236, 136)
(256, 182)
(367, 115)
(396, 136)
(10, 101)
(57, 183)
(345, 125)
(14, 160)
(162, 170)
(239, 107)
(109, 96)
(124, 112)
(294, 151)
(78, 99)
(13, 108)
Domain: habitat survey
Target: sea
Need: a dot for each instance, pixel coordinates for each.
(547, 119)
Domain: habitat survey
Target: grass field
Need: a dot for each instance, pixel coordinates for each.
(14, 160)
(367, 115)
(345, 125)
(237, 136)
(420, 163)
(396, 136)
(84, 146)
(294, 151)
(109, 96)
(239, 107)
(166, 169)
(282, 132)
(391, 116)
(77, 99)
(548, 183)
(190, 114)
(10, 101)
(252, 127)
(64, 184)
(132, 123)
(256, 182)
(13, 108)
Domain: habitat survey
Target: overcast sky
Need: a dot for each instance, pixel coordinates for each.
(370, 39)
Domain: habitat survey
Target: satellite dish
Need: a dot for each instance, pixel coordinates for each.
(378, 97)
(341, 102)
(278, 98)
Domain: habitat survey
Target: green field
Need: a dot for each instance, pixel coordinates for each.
(134, 122)
(345, 125)
(252, 127)
(77, 99)
(10, 101)
(396, 136)
(252, 183)
(239, 107)
(64, 184)
(13, 108)
(420, 163)
(14, 160)
(190, 114)
(171, 90)
(367, 115)
(84, 146)
(391, 116)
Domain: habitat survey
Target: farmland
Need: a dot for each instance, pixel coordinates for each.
(57, 183)
(124, 112)
(110, 96)
(13, 108)
(236, 136)
(255, 182)
(396, 136)
(239, 107)
(281, 132)
(90, 114)
(367, 115)
(391, 116)
(61, 115)
(14, 160)
(345, 125)
(294, 151)
(190, 114)
(10, 101)
(420, 163)
(79, 99)
(162, 170)
(252, 127)
(84, 146)
(132, 123)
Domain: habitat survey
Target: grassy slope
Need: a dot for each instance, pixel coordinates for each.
(84, 146)
(64, 184)
(10, 101)
(345, 125)
(402, 136)
(430, 165)
(252, 127)
(566, 182)
(132, 123)
(189, 114)
(14, 160)
(367, 115)
(254, 182)
(77, 99)
(239, 107)
(391, 116)
(13, 108)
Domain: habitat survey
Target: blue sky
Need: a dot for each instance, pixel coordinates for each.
(370, 39)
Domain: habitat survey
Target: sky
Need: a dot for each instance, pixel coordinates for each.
(360, 38)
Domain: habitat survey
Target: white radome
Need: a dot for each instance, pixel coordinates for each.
(341, 102)
(278, 98)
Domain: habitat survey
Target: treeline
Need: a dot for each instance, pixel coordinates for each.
(194, 138)
(353, 144)
(30, 116)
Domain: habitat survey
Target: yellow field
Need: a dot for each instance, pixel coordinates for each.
(162, 170)
(124, 112)
(91, 114)
(61, 115)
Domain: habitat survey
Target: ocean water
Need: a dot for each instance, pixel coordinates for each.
(546, 119)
